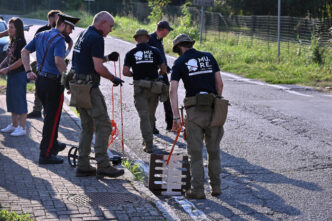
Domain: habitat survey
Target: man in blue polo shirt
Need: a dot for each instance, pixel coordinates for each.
(50, 50)
(156, 40)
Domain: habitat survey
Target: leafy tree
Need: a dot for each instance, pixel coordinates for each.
(157, 9)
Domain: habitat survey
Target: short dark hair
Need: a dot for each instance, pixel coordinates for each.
(52, 13)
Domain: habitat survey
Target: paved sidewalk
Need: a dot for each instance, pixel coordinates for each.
(52, 192)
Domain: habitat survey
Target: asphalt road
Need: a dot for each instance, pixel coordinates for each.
(276, 153)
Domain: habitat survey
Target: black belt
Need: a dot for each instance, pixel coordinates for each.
(48, 75)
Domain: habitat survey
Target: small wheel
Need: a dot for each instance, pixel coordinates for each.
(72, 156)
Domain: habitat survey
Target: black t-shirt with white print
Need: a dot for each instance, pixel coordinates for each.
(197, 70)
(144, 61)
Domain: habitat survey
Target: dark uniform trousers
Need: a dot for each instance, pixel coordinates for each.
(167, 105)
(97, 117)
(50, 92)
(37, 104)
(146, 104)
(198, 129)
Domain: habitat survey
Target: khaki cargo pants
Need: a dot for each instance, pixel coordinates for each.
(146, 104)
(95, 117)
(197, 128)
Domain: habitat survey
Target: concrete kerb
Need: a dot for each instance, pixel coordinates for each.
(163, 207)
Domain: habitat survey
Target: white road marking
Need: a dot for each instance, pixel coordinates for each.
(190, 208)
(263, 84)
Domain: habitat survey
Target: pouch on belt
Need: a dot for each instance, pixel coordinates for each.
(204, 101)
(157, 87)
(165, 93)
(220, 111)
(80, 94)
(144, 83)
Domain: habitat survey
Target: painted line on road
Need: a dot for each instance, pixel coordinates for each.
(263, 84)
(190, 208)
(327, 95)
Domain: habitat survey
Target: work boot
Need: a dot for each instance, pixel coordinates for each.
(215, 190)
(83, 172)
(148, 150)
(52, 159)
(195, 194)
(34, 114)
(155, 130)
(109, 171)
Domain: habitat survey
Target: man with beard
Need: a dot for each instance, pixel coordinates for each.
(50, 51)
(52, 18)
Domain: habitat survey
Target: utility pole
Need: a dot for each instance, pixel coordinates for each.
(279, 9)
(203, 3)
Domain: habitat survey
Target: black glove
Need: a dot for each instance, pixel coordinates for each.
(114, 56)
(116, 81)
(168, 69)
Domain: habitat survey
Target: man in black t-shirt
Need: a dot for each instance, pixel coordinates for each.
(201, 77)
(145, 61)
(156, 40)
(88, 64)
(52, 18)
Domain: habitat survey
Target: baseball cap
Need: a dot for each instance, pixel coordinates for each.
(164, 25)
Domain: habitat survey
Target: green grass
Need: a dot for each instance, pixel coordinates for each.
(12, 216)
(237, 54)
(135, 169)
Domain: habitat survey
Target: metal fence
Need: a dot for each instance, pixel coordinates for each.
(293, 29)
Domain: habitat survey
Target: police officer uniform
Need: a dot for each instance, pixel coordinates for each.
(145, 61)
(47, 45)
(197, 70)
(158, 43)
(37, 104)
(91, 44)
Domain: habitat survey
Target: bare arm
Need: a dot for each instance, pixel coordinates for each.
(173, 93)
(60, 64)
(101, 69)
(70, 45)
(163, 69)
(4, 33)
(3, 62)
(126, 71)
(219, 83)
(25, 57)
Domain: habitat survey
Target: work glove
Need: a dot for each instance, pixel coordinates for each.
(116, 81)
(168, 69)
(114, 56)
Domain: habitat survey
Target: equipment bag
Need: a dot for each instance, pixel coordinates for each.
(80, 95)
(204, 101)
(157, 87)
(164, 93)
(219, 112)
(144, 83)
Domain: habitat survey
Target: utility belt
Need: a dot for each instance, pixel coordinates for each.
(209, 102)
(48, 75)
(155, 86)
(80, 86)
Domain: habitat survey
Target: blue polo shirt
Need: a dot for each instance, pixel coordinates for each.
(158, 43)
(197, 70)
(90, 43)
(57, 48)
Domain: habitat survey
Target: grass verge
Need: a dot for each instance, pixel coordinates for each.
(135, 169)
(5, 215)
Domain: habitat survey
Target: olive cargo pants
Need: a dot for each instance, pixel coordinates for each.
(94, 117)
(197, 129)
(146, 104)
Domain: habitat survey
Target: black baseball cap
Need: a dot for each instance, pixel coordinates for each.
(164, 25)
